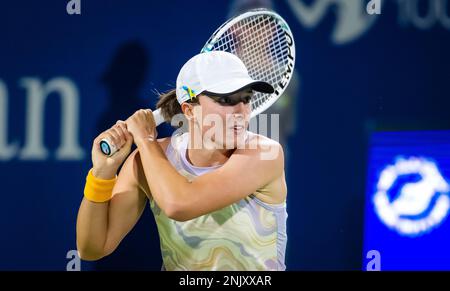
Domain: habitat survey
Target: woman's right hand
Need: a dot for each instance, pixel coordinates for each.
(105, 167)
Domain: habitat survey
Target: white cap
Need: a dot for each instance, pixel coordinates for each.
(217, 72)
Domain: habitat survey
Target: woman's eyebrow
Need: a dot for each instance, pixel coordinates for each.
(247, 93)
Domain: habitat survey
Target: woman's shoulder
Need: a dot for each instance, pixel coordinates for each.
(260, 139)
(260, 144)
(262, 151)
(267, 153)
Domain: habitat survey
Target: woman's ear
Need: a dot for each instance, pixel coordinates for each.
(187, 110)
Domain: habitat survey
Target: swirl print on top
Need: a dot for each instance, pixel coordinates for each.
(246, 235)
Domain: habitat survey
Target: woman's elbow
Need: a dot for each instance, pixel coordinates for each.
(177, 211)
(89, 255)
(88, 252)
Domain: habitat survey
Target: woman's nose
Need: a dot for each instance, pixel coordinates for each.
(241, 107)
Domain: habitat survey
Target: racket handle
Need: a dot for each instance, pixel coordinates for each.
(109, 149)
(157, 115)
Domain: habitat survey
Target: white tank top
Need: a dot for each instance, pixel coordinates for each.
(247, 235)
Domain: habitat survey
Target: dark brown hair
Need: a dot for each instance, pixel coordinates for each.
(169, 105)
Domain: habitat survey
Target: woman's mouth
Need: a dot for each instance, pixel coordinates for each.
(238, 128)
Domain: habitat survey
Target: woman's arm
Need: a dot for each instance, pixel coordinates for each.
(102, 226)
(244, 173)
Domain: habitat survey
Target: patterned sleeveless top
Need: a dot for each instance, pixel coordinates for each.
(246, 235)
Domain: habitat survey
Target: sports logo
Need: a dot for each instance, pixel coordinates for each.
(412, 196)
(352, 19)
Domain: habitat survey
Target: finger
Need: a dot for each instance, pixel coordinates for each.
(98, 139)
(101, 136)
(113, 137)
(123, 132)
(121, 122)
(120, 135)
(104, 136)
(124, 126)
(140, 112)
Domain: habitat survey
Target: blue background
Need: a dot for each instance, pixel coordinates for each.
(393, 76)
(427, 251)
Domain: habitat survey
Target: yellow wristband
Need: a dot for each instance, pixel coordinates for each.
(98, 190)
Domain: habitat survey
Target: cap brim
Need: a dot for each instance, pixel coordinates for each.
(237, 85)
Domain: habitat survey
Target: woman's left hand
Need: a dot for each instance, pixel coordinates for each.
(142, 125)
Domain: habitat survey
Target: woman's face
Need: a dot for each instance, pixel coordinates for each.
(224, 120)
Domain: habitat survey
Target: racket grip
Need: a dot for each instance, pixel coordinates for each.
(109, 149)
(157, 115)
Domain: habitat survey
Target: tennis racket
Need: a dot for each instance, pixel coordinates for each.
(263, 41)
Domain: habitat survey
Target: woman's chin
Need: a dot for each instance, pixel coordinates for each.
(237, 138)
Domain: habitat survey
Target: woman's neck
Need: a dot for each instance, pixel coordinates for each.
(205, 157)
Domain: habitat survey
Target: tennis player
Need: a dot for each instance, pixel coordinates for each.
(218, 198)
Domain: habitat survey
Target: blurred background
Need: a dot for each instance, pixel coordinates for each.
(364, 124)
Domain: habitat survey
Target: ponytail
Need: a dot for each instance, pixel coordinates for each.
(170, 107)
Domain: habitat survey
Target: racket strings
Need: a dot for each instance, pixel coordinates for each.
(260, 42)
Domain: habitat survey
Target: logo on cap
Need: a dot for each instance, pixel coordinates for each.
(189, 91)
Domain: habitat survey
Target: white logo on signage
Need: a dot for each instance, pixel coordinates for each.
(352, 19)
(37, 93)
(420, 206)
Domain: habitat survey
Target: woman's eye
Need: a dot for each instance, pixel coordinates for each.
(247, 99)
(225, 100)
(230, 101)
